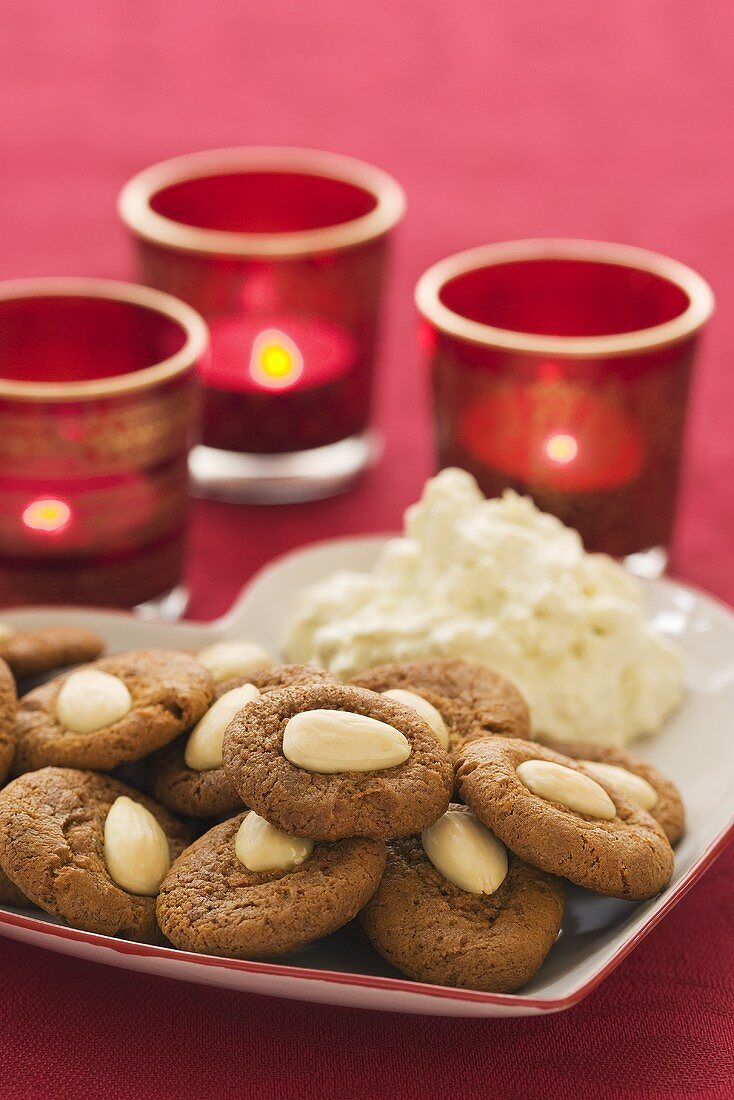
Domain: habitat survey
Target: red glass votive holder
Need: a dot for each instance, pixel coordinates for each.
(561, 369)
(283, 251)
(99, 399)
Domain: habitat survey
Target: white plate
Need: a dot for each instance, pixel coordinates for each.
(696, 749)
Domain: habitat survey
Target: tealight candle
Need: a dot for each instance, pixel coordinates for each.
(307, 362)
(559, 436)
(98, 402)
(561, 369)
(284, 252)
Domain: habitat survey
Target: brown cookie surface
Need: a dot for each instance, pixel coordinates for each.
(52, 848)
(210, 793)
(8, 709)
(170, 692)
(627, 856)
(187, 791)
(388, 802)
(668, 811)
(283, 676)
(473, 701)
(211, 903)
(32, 652)
(10, 894)
(434, 931)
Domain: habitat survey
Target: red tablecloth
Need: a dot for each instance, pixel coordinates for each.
(502, 119)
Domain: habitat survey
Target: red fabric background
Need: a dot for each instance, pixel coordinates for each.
(502, 119)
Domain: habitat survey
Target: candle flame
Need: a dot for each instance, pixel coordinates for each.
(275, 362)
(561, 448)
(47, 515)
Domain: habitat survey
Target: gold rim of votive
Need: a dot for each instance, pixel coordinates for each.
(698, 292)
(194, 328)
(134, 203)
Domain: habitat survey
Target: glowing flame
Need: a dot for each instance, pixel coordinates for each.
(275, 362)
(561, 448)
(50, 516)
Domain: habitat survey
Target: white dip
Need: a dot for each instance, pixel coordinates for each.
(500, 582)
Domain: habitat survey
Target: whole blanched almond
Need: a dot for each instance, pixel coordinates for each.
(136, 849)
(90, 700)
(632, 786)
(331, 741)
(466, 853)
(574, 790)
(259, 846)
(426, 710)
(204, 746)
(228, 659)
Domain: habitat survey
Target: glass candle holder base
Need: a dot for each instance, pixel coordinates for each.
(649, 564)
(168, 608)
(283, 478)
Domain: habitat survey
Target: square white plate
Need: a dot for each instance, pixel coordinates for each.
(696, 749)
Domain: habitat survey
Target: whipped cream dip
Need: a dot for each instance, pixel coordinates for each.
(502, 583)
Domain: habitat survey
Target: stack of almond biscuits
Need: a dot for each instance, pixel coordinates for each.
(230, 806)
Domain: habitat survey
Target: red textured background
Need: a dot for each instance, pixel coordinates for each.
(502, 118)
